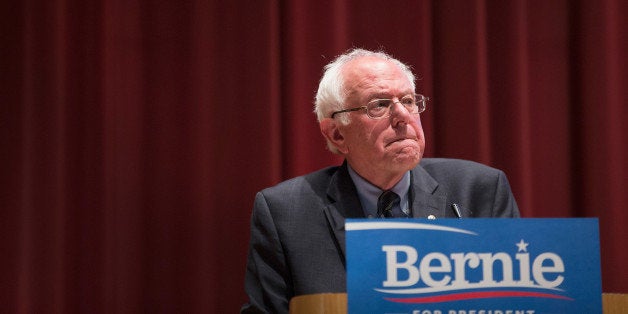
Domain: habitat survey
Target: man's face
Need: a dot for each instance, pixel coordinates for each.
(380, 150)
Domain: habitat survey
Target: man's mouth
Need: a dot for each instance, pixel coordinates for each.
(397, 140)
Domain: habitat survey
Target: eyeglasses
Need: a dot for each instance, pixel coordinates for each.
(380, 108)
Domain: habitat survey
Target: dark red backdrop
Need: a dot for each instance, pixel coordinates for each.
(135, 133)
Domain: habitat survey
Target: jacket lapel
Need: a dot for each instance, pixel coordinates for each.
(427, 199)
(344, 203)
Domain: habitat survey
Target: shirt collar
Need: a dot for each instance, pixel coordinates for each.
(369, 193)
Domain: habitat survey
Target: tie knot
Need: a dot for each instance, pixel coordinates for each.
(385, 204)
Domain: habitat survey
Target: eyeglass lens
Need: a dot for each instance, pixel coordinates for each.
(381, 107)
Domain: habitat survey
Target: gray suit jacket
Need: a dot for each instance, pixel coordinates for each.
(297, 227)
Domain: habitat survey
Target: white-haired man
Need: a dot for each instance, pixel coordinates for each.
(369, 113)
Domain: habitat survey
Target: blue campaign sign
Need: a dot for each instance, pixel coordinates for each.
(473, 266)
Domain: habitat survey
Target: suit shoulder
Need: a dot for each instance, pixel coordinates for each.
(439, 167)
(313, 181)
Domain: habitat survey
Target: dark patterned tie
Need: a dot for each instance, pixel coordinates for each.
(385, 204)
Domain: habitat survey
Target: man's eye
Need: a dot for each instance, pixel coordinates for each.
(408, 101)
(381, 103)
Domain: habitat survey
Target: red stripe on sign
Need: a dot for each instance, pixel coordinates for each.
(477, 295)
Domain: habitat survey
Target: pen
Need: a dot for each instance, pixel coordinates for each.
(456, 210)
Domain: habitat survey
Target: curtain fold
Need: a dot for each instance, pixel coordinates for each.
(135, 134)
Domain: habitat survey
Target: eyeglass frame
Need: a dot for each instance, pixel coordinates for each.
(418, 99)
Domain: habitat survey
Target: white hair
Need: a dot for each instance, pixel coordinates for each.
(331, 93)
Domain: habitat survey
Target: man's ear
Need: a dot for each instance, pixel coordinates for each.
(331, 130)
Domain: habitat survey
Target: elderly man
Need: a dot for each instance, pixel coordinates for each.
(368, 112)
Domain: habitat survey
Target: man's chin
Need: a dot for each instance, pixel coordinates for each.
(407, 158)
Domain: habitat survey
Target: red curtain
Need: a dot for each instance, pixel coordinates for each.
(135, 133)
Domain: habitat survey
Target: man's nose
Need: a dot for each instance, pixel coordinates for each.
(399, 113)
